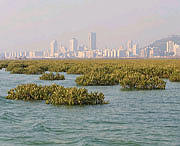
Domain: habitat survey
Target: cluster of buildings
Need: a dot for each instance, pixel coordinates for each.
(130, 50)
(170, 50)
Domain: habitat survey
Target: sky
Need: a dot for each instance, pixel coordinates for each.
(33, 24)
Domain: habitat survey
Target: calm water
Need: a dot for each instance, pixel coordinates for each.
(132, 118)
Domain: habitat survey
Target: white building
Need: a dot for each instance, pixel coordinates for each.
(170, 47)
(73, 44)
(92, 40)
(177, 50)
(53, 47)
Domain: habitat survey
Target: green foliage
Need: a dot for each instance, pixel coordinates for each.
(17, 70)
(140, 81)
(27, 92)
(98, 72)
(75, 96)
(3, 64)
(52, 76)
(16, 67)
(96, 79)
(34, 70)
(56, 95)
(175, 77)
(79, 69)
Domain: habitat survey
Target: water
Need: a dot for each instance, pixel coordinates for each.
(132, 118)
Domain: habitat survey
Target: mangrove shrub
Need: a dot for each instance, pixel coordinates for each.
(56, 95)
(140, 81)
(52, 76)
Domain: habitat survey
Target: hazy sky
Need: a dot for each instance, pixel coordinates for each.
(34, 23)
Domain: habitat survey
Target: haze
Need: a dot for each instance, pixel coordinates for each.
(34, 23)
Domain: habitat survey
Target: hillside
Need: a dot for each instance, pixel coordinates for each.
(161, 44)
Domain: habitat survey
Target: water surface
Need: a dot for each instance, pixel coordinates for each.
(132, 118)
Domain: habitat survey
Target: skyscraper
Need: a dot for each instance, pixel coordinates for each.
(53, 47)
(92, 40)
(170, 47)
(73, 44)
(129, 45)
(135, 50)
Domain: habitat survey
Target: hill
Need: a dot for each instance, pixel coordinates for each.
(161, 44)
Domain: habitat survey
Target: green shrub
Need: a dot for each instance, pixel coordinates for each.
(96, 79)
(16, 64)
(17, 70)
(52, 76)
(27, 92)
(75, 96)
(140, 81)
(175, 77)
(34, 70)
(56, 95)
(3, 64)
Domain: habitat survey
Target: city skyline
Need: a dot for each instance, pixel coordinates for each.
(164, 48)
(32, 24)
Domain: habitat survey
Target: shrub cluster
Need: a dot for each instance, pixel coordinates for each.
(96, 79)
(175, 77)
(52, 76)
(56, 95)
(101, 72)
(3, 64)
(140, 81)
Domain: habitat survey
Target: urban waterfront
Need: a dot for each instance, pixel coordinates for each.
(131, 117)
(168, 47)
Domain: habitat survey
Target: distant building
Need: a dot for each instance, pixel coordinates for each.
(92, 40)
(62, 50)
(177, 50)
(32, 54)
(81, 54)
(81, 48)
(134, 50)
(73, 45)
(170, 48)
(129, 45)
(90, 54)
(53, 47)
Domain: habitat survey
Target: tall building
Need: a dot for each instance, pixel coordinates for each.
(170, 47)
(129, 45)
(73, 45)
(53, 47)
(134, 50)
(92, 41)
(177, 50)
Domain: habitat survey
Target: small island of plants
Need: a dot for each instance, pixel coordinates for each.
(96, 79)
(56, 95)
(52, 76)
(142, 82)
(175, 77)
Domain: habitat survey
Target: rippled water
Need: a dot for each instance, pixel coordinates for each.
(131, 118)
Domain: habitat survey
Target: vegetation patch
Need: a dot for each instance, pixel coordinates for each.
(175, 77)
(140, 81)
(52, 76)
(104, 72)
(96, 79)
(56, 95)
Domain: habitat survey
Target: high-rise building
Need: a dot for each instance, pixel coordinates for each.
(170, 47)
(129, 45)
(53, 47)
(92, 41)
(177, 50)
(73, 45)
(134, 50)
